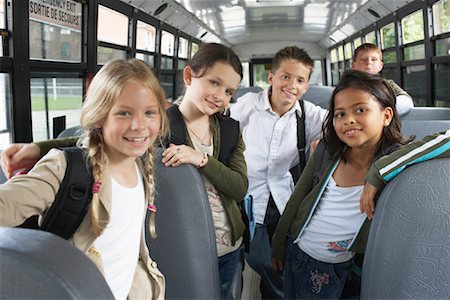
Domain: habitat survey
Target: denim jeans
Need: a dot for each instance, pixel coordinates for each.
(308, 278)
(227, 270)
(260, 259)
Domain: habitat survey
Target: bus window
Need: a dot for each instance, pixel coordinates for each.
(54, 97)
(115, 35)
(5, 96)
(56, 38)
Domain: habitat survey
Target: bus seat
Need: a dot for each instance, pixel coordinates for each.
(421, 128)
(319, 95)
(428, 113)
(408, 250)
(71, 131)
(185, 248)
(241, 91)
(38, 265)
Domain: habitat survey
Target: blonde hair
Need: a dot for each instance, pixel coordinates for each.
(103, 91)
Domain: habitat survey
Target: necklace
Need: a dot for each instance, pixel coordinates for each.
(201, 140)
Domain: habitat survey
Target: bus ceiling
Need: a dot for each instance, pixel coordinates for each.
(250, 25)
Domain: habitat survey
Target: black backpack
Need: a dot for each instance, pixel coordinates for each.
(72, 200)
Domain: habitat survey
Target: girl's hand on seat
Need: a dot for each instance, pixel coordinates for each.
(176, 155)
(367, 200)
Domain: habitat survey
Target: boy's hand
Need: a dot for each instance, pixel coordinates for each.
(367, 200)
(278, 265)
(313, 146)
(19, 156)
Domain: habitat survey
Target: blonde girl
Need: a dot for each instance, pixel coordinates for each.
(122, 116)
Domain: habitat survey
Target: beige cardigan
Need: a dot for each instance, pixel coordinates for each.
(34, 193)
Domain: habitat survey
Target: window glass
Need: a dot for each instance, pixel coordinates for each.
(2, 14)
(334, 74)
(389, 56)
(166, 63)
(246, 74)
(145, 36)
(387, 36)
(348, 50)
(167, 43)
(56, 34)
(357, 42)
(2, 23)
(54, 97)
(149, 59)
(105, 54)
(333, 55)
(340, 53)
(261, 72)
(390, 73)
(414, 52)
(412, 27)
(316, 75)
(441, 86)
(371, 37)
(443, 47)
(167, 84)
(181, 64)
(117, 34)
(441, 17)
(194, 49)
(5, 98)
(414, 82)
(183, 47)
(179, 87)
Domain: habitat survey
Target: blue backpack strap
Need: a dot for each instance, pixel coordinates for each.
(74, 195)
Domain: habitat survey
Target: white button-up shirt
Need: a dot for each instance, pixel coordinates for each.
(271, 146)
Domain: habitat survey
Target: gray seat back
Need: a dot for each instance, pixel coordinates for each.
(38, 265)
(408, 251)
(185, 248)
(319, 95)
(242, 90)
(421, 128)
(428, 113)
(71, 131)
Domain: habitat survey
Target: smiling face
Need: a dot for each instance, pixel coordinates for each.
(132, 124)
(359, 119)
(368, 61)
(211, 92)
(289, 82)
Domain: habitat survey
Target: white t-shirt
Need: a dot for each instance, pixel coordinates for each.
(334, 224)
(119, 243)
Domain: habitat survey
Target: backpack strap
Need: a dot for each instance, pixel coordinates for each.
(74, 195)
(177, 126)
(301, 137)
(229, 137)
(229, 132)
(296, 171)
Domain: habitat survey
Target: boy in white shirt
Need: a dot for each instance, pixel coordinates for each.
(268, 123)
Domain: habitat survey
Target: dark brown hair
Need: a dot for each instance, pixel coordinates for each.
(383, 94)
(210, 53)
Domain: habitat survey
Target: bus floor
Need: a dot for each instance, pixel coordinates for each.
(250, 286)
